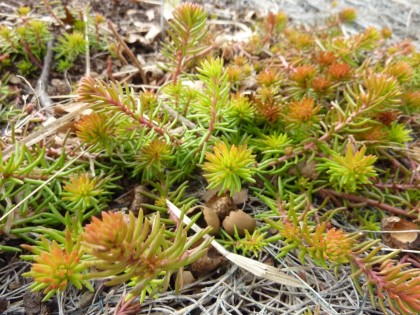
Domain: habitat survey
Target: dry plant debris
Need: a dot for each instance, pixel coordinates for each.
(292, 130)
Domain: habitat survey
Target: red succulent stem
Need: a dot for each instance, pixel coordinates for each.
(343, 124)
(372, 276)
(27, 50)
(140, 119)
(179, 58)
(398, 186)
(306, 147)
(212, 118)
(370, 202)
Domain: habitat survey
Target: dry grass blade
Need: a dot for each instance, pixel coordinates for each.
(48, 130)
(255, 267)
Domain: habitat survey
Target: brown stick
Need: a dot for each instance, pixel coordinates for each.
(48, 130)
(129, 52)
(42, 84)
(370, 202)
(397, 186)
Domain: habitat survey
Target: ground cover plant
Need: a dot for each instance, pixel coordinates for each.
(305, 141)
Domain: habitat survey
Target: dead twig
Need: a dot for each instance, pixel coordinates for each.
(87, 50)
(42, 83)
(48, 130)
(129, 52)
(370, 202)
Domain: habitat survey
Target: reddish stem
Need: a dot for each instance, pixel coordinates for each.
(370, 202)
(31, 56)
(140, 119)
(398, 186)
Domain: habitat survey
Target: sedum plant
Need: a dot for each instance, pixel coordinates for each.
(351, 171)
(317, 130)
(124, 247)
(57, 266)
(26, 43)
(226, 167)
(8, 109)
(383, 276)
(119, 248)
(186, 30)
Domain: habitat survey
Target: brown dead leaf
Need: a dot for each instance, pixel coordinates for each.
(240, 197)
(210, 261)
(208, 218)
(70, 108)
(209, 194)
(138, 199)
(221, 205)
(69, 19)
(399, 238)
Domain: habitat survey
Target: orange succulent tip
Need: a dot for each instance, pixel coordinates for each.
(106, 232)
(240, 60)
(99, 19)
(93, 129)
(234, 73)
(268, 76)
(375, 133)
(320, 85)
(290, 231)
(275, 21)
(347, 15)
(388, 117)
(338, 245)
(325, 58)
(266, 105)
(303, 74)
(386, 32)
(187, 10)
(339, 71)
(270, 112)
(54, 267)
(401, 70)
(412, 99)
(303, 110)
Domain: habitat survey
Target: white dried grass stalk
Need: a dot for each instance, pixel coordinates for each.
(257, 268)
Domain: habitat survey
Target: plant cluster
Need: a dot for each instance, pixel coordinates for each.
(120, 248)
(323, 134)
(24, 46)
(8, 108)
